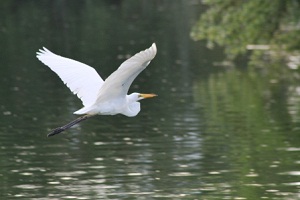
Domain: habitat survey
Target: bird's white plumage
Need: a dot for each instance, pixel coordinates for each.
(95, 93)
(118, 83)
(82, 79)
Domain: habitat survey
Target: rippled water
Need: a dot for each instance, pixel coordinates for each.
(175, 152)
(210, 134)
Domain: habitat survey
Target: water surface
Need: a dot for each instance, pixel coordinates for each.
(210, 134)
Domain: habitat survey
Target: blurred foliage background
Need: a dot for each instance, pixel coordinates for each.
(265, 32)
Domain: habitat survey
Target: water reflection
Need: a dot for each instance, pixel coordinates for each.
(255, 143)
(112, 168)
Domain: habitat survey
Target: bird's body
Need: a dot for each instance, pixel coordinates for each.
(100, 97)
(105, 106)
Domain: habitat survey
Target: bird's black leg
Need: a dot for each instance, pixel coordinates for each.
(69, 125)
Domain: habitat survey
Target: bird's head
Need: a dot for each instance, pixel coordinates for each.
(133, 104)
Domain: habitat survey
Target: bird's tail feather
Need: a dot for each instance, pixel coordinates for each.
(83, 110)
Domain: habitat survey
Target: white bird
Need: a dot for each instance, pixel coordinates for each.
(100, 97)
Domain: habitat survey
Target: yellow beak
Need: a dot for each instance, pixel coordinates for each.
(147, 95)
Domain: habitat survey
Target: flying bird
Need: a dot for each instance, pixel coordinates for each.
(98, 96)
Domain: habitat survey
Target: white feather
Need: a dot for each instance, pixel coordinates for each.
(82, 79)
(118, 83)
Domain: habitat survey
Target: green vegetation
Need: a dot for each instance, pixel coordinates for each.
(239, 26)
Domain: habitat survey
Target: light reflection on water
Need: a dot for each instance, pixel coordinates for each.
(127, 165)
(181, 157)
(135, 165)
(186, 150)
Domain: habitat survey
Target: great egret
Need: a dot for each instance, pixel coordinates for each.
(100, 97)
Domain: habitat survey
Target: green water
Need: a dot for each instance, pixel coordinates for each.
(210, 134)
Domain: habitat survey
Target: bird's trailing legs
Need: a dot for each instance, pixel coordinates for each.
(69, 125)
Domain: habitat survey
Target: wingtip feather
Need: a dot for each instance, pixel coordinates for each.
(153, 47)
(152, 50)
(42, 51)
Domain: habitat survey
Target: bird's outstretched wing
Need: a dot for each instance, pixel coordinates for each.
(82, 79)
(118, 83)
